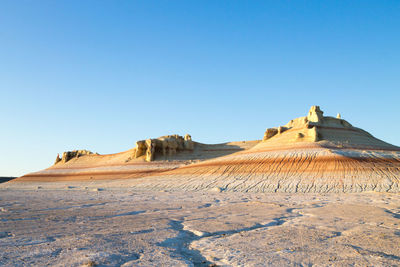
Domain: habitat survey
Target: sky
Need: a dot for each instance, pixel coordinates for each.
(100, 75)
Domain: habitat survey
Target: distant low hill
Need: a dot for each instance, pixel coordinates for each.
(6, 179)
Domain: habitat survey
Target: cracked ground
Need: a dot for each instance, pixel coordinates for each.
(147, 228)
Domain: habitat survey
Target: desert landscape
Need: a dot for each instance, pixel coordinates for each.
(199, 133)
(316, 191)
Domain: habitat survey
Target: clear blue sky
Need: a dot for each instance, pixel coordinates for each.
(100, 75)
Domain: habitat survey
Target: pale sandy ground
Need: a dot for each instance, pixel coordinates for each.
(127, 227)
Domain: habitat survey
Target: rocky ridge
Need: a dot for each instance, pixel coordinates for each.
(313, 153)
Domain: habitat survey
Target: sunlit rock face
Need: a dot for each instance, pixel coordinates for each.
(167, 145)
(313, 153)
(315, 127)
(68, 155)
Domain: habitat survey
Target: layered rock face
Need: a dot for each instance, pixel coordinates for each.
(315, 127)
(167, 145)
(313, 153)
(124, 165)
(68, 155)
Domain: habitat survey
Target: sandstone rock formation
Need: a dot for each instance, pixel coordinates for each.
(150, 149)
(312, 128)
(269, 133)
(313, 153)
(58, 159)
(167, 145)
(189, 144)
(140, 148)
(315, 114)
(68, 155)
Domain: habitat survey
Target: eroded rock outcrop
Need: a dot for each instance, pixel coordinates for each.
(189, 144)
(312, 153)
(167, 145)
(311, 128)
(140, 148)
(270, 132)
(315, 114)
(58, 159)
(150, 149)
(68, 155)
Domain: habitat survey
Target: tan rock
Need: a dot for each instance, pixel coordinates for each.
(270, 132)
(281, 129)
(161, 145)
(299, 135)
(68, 155)
(140, 148)
(315, 114)
(58, 159)
(167, 145)
(313, 134)
(172, 146)
(150, 149)
(312, 153)
(188, 144)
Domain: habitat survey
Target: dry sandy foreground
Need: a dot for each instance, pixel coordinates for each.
(72, 227)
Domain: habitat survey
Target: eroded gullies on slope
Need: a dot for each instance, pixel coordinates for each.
(316, 127)
(330, 156)
(314, 153)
